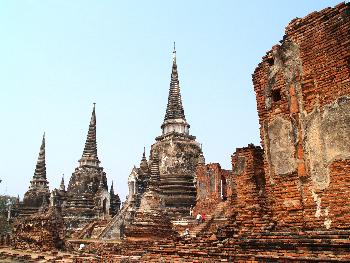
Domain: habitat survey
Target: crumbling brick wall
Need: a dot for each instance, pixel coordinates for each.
(303, 98)
(212, 187)
(43, 230)
(251, 203)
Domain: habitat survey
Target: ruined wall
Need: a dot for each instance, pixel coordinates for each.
(251, 202)
(208, 181)
(43, 231)
(303, 98)
(213, 187)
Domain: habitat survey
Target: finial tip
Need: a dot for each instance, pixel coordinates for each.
(174, 53)
(144, 153)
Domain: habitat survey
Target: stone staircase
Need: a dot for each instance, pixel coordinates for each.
(81, 202)
(216, 217)
(199, 228)
(84, 232)
(89, 229)
(178, 193)
(27, 211)
(112, 229)
(96, 231)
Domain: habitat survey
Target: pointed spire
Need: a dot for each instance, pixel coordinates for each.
(114, 202)
(144, 163)
(39, 177)
(40, 169)
(174, 54)
(174, 119)
(62, 186)
(89, 156)
(144, 154)
(111, 191)
(174, 108)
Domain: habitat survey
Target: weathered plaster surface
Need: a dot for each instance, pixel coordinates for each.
(282, 150)
(327, 139)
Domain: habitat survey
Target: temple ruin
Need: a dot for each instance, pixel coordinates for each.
(178, 153)
(38, 193)
(86, 199)
(284, 201)
(173, 158)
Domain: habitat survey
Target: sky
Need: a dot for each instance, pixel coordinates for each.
(59, 57)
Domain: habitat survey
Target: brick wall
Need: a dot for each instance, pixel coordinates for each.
(251, 202)
(209, 189)
(302, 89)
(43, 231)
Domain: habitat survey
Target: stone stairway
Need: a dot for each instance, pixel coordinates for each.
(83, 232)
(178, 193)
(112, 229)
(27, 211)
(89, 229)
(215, 217)
(199, 228)
(98, 229)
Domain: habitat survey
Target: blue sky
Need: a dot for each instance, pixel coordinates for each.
(58, 57)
